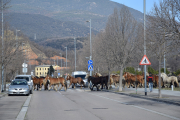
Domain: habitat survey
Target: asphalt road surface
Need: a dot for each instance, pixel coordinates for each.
(83, 104)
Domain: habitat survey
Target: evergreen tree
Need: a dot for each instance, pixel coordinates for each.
(50, 70)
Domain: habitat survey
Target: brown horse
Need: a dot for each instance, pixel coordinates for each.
(115, 79)
(132, 79)
(73, 80)
(55, 82)
(37, 82)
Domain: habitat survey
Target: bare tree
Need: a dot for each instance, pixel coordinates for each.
(122, 30)
(163, 29)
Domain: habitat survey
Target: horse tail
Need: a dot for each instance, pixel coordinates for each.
(177, 82)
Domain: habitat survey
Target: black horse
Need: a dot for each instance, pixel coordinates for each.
(103, 80)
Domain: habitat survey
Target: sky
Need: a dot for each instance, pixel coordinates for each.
(138, 4)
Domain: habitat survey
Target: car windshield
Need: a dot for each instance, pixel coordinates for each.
(26, 78)
(20, 82)
(82, 76)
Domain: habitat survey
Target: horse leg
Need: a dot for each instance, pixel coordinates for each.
(40, 86)
(34, 86)
(91, 88)
(97, 88)
(115, 84)
(62, 85)
(70, 84)
(50, 86)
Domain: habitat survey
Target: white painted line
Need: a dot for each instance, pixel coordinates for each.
(152, 111)
(157, 112)
(24, 109)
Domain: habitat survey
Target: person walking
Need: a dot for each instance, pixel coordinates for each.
(150, 80)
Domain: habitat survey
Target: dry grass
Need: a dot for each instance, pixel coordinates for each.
(175, 89)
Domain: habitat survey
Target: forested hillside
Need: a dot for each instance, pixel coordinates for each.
(72, 10)
(46, 27)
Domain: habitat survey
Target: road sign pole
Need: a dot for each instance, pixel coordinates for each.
(90, 71)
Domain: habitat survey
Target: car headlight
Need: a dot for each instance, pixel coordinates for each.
(11, 88)
(25, 88)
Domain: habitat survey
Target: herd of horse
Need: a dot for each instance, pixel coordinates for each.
(97, 80)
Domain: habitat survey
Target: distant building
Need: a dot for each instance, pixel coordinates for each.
(42, 70)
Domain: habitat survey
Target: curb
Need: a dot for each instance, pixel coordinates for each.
(3, 94)
(149, 98)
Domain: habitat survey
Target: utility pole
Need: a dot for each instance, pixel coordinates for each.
(145, 43)
(90, 57)
(2, 50)
(75, 51)
(66, 62)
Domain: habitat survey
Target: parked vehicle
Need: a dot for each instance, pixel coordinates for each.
(28, 79)
(19, 86)
(81, 74)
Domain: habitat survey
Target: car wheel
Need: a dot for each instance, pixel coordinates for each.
(9, 94)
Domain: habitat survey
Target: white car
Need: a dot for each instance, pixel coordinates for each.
(28, 79)
(19, 87)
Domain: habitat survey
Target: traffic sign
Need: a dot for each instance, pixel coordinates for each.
(145, 61)
(90, 67)
(24, 65)
(90, 62)
(24, 70)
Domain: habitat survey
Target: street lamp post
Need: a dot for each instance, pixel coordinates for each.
(2, 49)
(17, 38)
(66, 61)
(90, 57)
(57, 66)
(164, 60)
(61, 64)
(75, 51)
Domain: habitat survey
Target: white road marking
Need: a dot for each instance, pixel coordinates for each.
(152, 111)
(24, 109)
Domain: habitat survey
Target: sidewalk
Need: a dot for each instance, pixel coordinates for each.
(168, 96)
(3, 94)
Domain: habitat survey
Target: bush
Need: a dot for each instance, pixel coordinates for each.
(177, 72)
(154, 72)
(162, 70)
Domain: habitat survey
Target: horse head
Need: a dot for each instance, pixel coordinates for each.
(98, 74)
(163, 75)
(47, 77)
(87, 75)
(68, 77)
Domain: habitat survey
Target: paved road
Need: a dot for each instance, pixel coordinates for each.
(10, 106)
(81, 104)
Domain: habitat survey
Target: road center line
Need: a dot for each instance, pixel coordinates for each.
(152, 111)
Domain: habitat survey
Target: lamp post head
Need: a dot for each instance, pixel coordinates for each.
(88, 20)
(18, 30)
